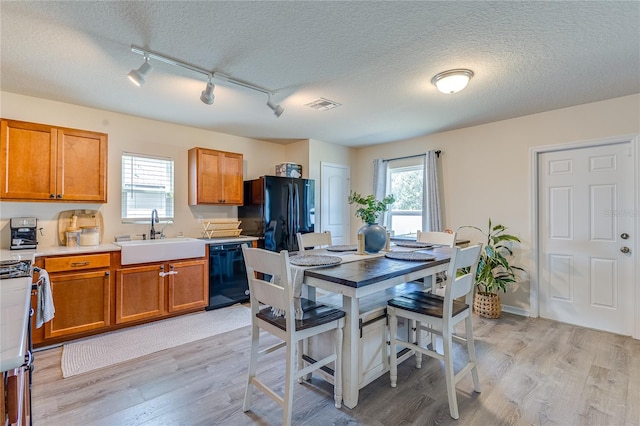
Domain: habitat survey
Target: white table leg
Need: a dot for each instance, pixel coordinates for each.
(350, 362)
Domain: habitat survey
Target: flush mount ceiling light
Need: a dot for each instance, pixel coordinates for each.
(277, 109)
(138, 77)
(207, 94)
(452, 81)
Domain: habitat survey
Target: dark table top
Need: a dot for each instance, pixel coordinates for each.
(369, 271)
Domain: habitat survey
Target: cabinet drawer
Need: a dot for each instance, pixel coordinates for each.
(77, 263)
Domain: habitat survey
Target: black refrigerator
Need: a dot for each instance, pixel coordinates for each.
(275, 209)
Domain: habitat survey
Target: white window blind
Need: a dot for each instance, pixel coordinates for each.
(147, 184)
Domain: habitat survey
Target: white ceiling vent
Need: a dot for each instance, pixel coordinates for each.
(322, 104)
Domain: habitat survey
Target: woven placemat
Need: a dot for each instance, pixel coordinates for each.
(314, 260)
(409, 255)
(413, 244)
(343, 248)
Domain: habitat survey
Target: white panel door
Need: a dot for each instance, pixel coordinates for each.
(586, 202)
(334, 194)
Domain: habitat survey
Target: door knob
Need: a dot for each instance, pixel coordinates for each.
(625, 249)
(624, 236)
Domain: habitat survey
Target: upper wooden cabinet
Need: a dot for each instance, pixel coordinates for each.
(41, 162)
(215, 177)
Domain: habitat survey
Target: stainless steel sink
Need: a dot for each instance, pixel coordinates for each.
(144, 251)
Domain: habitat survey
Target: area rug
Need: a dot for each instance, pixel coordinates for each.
(111, 348)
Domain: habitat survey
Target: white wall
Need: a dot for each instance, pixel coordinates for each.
(138, 135)
(310, 153)
(486, 169)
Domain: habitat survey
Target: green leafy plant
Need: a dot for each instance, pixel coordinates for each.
(494, 270)
(370, 207)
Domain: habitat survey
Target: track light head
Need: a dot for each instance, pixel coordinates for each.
(277, 109)
(207, 94)
(139, 76)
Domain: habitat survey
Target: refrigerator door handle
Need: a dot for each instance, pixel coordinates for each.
(290, 214)
(296, 208)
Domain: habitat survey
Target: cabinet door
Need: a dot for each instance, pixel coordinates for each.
(215, 177)
(81, 301)
(188, 285)
(209, 190)
(28, 155)
(231, 165)
(139, 293)
(82, 166)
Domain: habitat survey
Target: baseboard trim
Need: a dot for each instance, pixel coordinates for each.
(515, 311)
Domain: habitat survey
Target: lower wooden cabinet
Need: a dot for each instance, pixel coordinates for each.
(141, 290)
(93, 293)
(139, 293)
(81, 289)
(81, 301)
(188, 287)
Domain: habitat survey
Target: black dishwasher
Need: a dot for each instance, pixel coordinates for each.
(227, 276)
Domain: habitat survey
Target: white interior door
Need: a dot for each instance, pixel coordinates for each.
(585, 210)
(334, 205)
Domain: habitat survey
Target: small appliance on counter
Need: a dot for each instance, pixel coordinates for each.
(24, 233)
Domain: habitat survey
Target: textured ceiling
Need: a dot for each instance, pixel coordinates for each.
(374, 58)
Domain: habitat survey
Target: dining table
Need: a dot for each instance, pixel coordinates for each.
(356, 277)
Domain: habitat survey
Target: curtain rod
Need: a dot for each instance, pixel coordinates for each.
(438, 152)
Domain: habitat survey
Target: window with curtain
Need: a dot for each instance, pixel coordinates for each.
(406, 185)
(147, 184)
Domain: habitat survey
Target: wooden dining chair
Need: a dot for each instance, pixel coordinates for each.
(313, 239)
(316, 319)
(439, 315)
(445, 239)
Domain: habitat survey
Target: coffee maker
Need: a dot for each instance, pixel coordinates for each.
(24, 233)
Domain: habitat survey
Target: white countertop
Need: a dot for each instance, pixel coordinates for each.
(15, 304)
(62, 250)
(224, 240)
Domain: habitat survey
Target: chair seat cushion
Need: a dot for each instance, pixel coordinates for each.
(315, 314)
(425, 304)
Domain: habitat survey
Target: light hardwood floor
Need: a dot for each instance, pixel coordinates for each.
(532, 371)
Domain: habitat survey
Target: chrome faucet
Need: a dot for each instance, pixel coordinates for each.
(154, 219)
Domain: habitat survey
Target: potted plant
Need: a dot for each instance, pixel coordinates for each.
(495, 272)
(375, 236)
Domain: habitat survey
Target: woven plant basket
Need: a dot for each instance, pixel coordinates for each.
(487, 305)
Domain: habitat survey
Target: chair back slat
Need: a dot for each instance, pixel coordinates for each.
(313, 239)
(439, 238)
(463, 285)
(277, 292)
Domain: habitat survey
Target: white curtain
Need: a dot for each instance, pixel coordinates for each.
(380, 184)
(431, 211)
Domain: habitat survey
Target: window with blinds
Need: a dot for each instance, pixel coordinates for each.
(147, 184)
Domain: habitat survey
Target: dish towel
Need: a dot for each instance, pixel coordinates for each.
(45, 311)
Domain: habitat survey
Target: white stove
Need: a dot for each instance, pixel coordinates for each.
(15, 269)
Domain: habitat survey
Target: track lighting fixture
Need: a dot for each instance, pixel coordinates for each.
(207, 94)
(277, 109)
(138, 77)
